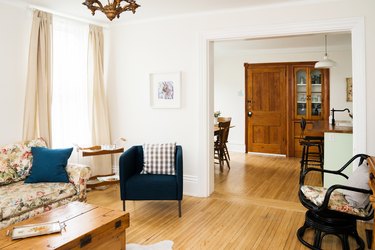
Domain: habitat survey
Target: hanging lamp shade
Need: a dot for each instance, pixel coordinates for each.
(326, 63)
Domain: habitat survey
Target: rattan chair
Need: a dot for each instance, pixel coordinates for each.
(329, 212)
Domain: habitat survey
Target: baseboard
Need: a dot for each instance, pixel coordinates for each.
(266, 154)
(236, 147)
(190, 185)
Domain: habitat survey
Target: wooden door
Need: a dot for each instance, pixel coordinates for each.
(266, 108)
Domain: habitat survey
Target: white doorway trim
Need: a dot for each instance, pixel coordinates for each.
(354, 25)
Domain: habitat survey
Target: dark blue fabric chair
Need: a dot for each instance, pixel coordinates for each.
(136, 186)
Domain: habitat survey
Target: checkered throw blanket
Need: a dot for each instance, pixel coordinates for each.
(159, 158)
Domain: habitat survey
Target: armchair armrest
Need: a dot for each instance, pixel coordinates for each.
(179, 171)
(131, 162)
(78, 175)
(336, 172)
(313, 169)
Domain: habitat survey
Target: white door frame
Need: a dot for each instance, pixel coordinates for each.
(354, 25)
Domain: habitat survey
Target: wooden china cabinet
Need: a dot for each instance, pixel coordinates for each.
(310, 88)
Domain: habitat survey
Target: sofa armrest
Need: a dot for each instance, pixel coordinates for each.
(78, 175)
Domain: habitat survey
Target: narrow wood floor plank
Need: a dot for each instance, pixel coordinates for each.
(255, 206)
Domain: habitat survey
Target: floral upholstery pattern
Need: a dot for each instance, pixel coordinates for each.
(336, 202)
(35, 211)
(20, 201)
(19, 197)
(78, 176)
(15, 160)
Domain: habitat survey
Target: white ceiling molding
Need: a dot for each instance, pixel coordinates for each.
(56, 13)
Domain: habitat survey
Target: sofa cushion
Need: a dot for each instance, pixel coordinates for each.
(18, 198)
(49, 165)
(359, 179)
(337, 201)
(15, 160)
(159, 158)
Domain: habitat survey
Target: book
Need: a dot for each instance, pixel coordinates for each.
(32, 230)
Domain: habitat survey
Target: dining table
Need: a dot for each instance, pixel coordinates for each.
(217, 128)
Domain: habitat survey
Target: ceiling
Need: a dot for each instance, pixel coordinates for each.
(151, 9)
(313, 42)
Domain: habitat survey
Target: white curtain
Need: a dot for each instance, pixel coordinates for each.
(37, 111)
(99, 120)
(70, 118)
(79, 105)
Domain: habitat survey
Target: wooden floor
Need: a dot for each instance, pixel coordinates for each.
(254, 206)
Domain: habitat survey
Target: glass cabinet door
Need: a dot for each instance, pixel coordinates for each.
(316, 93)
(301, 91)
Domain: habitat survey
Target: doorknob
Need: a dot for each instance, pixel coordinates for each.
(249, 114)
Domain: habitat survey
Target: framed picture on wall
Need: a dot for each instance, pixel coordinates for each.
(165, 90)
(349, 89)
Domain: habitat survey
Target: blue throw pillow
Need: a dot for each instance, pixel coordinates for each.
(49, 165)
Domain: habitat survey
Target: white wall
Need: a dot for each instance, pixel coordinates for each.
(229, 79)
(15, 25)
(137, 51)
(164, 45)
(338, 77)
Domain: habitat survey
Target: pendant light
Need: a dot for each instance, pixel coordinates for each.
(326, 63)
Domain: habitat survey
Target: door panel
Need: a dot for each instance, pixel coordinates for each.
(266, 94)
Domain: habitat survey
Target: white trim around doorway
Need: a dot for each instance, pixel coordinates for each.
(353, 25)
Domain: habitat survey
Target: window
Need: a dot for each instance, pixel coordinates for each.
(70, 122)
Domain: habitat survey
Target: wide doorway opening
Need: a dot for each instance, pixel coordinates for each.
(327, 26)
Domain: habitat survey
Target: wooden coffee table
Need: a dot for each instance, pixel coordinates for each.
(87, 227)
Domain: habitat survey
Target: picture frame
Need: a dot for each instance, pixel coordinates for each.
(165, 90)
(349, 89)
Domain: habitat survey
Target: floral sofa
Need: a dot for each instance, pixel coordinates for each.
(19, 200)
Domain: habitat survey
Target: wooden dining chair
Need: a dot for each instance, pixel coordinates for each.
(219, 146)
(225, 119)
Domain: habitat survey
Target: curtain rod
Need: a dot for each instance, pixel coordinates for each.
(82, 20)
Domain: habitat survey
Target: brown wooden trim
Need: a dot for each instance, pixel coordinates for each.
(289, 112)
(246, 65)
(327, 92)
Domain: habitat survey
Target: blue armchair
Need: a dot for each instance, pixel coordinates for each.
(136, 186)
